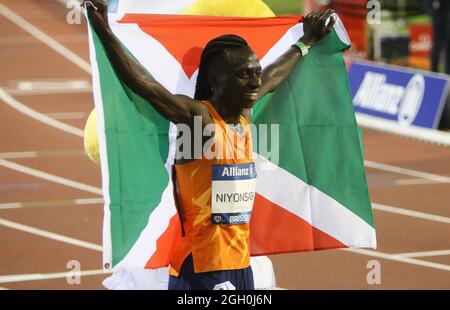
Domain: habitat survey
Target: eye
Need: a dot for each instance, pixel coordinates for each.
(243, 74)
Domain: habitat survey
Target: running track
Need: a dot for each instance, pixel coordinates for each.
(50, 202)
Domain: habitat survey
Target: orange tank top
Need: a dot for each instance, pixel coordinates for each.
(216, 195)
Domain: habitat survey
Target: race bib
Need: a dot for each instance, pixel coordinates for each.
(233, 193)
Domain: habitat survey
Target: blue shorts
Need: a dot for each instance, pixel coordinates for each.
(239, 279)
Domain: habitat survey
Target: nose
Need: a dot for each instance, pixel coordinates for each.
(254, 81)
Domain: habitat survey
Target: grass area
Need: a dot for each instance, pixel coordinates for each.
(286, 7)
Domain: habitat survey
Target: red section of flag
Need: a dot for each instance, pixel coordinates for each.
(288, 232)
(165, 244)
(194, 32)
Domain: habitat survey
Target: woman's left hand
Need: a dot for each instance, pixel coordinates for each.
(315, 26)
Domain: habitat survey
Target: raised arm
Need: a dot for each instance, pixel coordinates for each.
(315, 28)
(176, 108)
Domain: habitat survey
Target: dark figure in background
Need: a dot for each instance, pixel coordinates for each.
(439, 11)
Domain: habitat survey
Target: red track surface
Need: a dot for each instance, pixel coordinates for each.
(24, 251)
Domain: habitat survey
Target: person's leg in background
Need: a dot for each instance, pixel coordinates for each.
(447, 39)
(439, 32)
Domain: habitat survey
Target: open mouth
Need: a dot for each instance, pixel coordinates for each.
(251, 95)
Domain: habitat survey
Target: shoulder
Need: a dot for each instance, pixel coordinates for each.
(197, 108)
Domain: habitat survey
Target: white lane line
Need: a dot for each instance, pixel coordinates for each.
(405, 171)
(26, 39)
(34, 154)
(399, 259)
(425, 253)
(50, 177)
(47, 276)
(15, 92)
(18, 155)
(47, 86)
(51, 203)
(416, 214)
(68, 115)
(38, 116)
(414, 182)
(46, 39)
(50, 235)
(401, 182)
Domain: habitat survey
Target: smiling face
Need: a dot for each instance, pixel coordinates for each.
(236, 78)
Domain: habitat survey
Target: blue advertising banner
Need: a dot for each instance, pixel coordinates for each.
(403, 95)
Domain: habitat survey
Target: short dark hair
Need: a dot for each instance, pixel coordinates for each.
(214, 47)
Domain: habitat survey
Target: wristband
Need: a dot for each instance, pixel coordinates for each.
(303, 48)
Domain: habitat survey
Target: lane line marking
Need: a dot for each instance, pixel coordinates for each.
(27, 40)
(400, 182)
(425, 253)
(50, 235)
(47, 276)
(45, 38)
(50, 177)
(68, 115)
(47, 86)
(34, 154)
(400, 259)
(405, 171)
(38, 116)
(414, 182)
(51, 203)
(14, 92)
(18, 155)
(416, 214)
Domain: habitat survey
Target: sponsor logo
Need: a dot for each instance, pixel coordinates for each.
(235, 172)
(412, 100)
(217, 218)
(242, 218)
(377, 95)
(225, 286)
(251, 171)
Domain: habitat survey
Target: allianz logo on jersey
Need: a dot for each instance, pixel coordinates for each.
(377, 95)
(234, 171)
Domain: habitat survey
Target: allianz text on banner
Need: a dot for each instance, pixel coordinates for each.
(403, 95)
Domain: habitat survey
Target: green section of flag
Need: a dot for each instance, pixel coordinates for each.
(137, 147)
(319, 139)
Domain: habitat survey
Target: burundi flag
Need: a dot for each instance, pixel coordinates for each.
(311, 195)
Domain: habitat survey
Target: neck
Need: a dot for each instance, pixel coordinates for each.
(225, 110)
